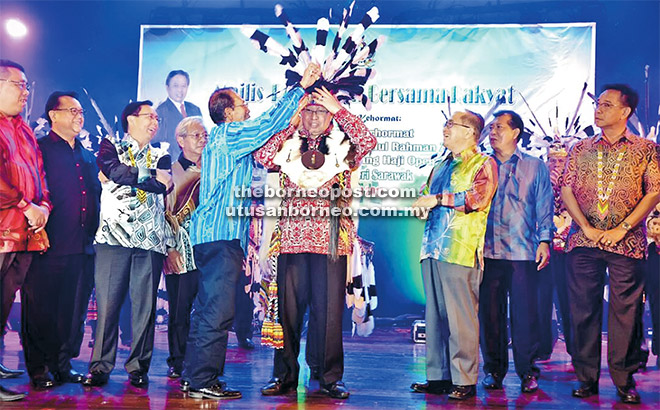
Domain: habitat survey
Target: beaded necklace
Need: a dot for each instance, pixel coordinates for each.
(141, 195)
(604, 194)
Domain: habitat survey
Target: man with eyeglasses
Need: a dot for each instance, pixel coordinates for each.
(131, 242)
(611, 183)
(57, 287)
(220, 241)
(24, 198)
(458, 195)
(181, 274)
(517, 247)
(312, 155)
(174, 109)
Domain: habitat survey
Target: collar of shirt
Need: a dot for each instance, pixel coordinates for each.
(185, 162)
(177, 104)
(625, 138)
(55, 137)
(516, 154)
(134, 145)
(466, 154)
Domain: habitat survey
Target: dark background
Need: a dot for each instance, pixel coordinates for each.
(95, 44)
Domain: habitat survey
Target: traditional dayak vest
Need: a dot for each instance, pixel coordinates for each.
(450, 235)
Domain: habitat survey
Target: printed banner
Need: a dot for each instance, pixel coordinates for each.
(424, 72)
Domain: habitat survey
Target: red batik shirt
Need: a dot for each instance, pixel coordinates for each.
(21, 177)
(302, 234)
(639, 174)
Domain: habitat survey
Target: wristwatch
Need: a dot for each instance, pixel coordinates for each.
(625, 225)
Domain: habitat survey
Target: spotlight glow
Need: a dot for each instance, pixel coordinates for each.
(16, 28)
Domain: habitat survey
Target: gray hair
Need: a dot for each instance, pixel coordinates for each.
(185, 125)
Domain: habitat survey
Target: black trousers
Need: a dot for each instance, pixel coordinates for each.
(586, 278)
(54, 302)
(518, 279)
(219, 264)
(13, 268)
(316, 281)
(553, 290)
(121, 271)
(181, 292)
(244, 310)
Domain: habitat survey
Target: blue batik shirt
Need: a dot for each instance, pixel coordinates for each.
(522, 210)
(227, 164)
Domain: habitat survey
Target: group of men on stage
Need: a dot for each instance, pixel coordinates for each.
(488, 236)
(131, 213)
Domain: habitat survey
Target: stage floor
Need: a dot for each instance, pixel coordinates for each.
(379, 371)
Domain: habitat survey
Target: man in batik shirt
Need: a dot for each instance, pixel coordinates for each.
(460, 191)
(611, 183)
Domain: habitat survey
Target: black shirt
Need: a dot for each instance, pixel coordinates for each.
(72, 178)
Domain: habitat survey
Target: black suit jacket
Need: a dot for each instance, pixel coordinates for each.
(170, 119)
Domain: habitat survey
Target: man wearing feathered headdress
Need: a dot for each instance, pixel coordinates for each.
(315, 161)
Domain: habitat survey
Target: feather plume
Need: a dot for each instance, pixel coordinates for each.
(346, 69)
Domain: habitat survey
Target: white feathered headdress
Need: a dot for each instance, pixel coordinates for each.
(344, 71)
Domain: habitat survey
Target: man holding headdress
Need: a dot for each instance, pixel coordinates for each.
(220, 240)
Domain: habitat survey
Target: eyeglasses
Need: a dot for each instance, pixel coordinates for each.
(74, 111)
(604, 105)
(201, 136)
(320, 113)
(151, 117)
(450, 124)
(22, 85)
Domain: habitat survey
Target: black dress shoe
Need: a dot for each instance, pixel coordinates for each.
(42, 382)
(218, 391)
(9, 373)
(184, 386)
(95, 379)
(246, 343)
(276, 387)
(586, 389)
(433, 387)
(173, 373)
(492, 381)
(336, 390)
(529, 384)
(138, 378)
(8, 395)
(628, 394)
(463, 392)
(68, 377)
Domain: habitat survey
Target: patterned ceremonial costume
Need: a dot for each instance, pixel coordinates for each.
(629, 169)
(131, 244)
(313, 247)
